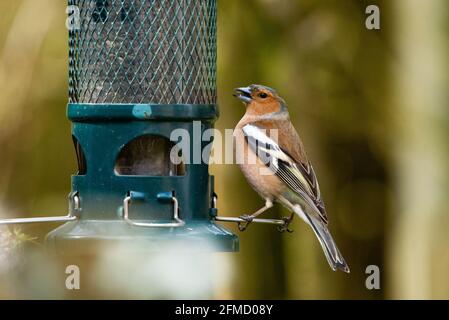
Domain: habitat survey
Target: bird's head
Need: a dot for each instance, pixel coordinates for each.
(260, 100)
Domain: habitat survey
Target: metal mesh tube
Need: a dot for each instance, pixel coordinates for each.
(143, 51)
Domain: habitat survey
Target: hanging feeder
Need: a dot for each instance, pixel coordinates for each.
(138, 70)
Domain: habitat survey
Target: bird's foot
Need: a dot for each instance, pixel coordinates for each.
(285, 226)
(243, 225)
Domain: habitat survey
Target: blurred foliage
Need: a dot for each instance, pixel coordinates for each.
(354, 96)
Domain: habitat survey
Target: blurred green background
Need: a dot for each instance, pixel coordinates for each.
(370, 105)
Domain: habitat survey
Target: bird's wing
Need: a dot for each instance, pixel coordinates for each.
(299, 176)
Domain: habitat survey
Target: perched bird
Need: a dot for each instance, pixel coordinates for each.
(280, 171)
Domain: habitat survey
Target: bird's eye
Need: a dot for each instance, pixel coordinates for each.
(263, 95)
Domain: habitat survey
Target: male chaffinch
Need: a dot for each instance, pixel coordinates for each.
(292, 180)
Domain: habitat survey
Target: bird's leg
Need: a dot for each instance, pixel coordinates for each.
(249, 219)
(287, 221)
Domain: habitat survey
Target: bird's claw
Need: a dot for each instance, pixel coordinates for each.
(285, 226)
(243, 225)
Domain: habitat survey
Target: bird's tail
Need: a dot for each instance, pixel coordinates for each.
(333, 255)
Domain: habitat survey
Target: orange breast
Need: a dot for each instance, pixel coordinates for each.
(259, 176)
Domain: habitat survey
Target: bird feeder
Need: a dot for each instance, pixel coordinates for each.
(138, 70)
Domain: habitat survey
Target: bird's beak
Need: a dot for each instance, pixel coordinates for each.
(243, 94)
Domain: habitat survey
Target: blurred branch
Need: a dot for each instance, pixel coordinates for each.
(420, 147)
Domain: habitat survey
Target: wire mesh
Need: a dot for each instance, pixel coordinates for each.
(143, 51)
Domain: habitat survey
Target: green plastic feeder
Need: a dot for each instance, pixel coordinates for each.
(138, 70)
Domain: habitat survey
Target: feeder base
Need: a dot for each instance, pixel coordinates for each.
(86, 236)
